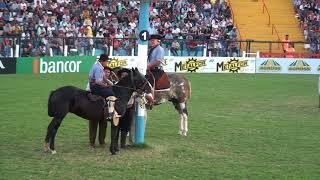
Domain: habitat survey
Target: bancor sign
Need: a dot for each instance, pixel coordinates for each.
(55, 66)
(44, 65)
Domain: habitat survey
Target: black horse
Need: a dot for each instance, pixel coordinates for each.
(72, 99)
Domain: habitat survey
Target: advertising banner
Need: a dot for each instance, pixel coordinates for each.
(288, 66)
(194, 64)
(188, 64)
(43, 65)
(234, 64)
(8, 65)
(123, 61)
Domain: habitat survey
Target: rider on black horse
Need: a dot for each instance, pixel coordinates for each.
(156, 62)
(98, 85)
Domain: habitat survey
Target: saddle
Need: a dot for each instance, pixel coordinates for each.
(161, 80)
(108, 107)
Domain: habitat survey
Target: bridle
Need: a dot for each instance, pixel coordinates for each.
(139, 89)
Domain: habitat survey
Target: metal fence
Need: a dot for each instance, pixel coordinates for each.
(69, 46)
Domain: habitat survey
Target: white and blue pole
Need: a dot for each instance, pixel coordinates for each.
(142, 66)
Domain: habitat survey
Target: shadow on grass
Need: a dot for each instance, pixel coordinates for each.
(138, 146)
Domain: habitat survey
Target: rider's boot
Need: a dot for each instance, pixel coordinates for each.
(110, 102)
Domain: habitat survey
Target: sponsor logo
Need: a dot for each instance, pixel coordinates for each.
(115, 63)
(191, 65)
(299, 65)
(233, 65)
(319, 68)
(43, 66)
(1, 65)
(270, 65)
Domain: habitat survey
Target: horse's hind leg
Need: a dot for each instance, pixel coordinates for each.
(185, 119)
(51, 133)
(93, 125)
(183, 112)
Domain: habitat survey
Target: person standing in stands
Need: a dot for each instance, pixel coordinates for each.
(285, 43)
(290, 51)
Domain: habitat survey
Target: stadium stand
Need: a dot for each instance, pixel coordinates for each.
(84, 25)
(308, 13)
(46, 27)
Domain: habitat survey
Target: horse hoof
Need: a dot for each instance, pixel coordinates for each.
(184, 133)
(113, 150)
(54, 152)
(116, 149)
(180, 132)
(46, 147)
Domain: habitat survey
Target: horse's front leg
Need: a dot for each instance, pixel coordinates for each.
(114, 143)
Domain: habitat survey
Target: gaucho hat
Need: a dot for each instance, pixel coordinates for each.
(103, 57)
(155, 36)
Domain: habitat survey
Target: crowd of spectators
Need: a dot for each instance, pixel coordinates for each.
(86, 24)
(308, 12)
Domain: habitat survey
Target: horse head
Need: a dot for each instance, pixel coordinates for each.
(140, 83)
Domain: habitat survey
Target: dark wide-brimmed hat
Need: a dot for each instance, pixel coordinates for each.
(103, 57)
(155, 36)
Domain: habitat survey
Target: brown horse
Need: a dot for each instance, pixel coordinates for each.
(178, 93)
(72, 99)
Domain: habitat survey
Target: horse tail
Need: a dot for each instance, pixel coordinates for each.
(188, 89)
(50, 106)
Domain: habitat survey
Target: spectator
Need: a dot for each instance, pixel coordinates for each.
(191, 45)
(290, 51)
(175, 47)
(7, 46)
(285, 43)
(181, 16)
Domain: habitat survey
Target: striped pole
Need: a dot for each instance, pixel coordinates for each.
(142, 66)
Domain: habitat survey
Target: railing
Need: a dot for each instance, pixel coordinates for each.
(204, 47)
(274, 29)
(293, 55)
(238, 30)
(264, 8)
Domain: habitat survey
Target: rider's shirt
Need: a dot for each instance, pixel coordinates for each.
(96, 73)
(156, 53)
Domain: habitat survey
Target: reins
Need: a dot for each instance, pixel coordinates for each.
(132, 83)
(154, 82)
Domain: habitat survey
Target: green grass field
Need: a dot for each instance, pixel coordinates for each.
(241, 126)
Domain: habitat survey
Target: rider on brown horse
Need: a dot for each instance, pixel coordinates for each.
(155, 63)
